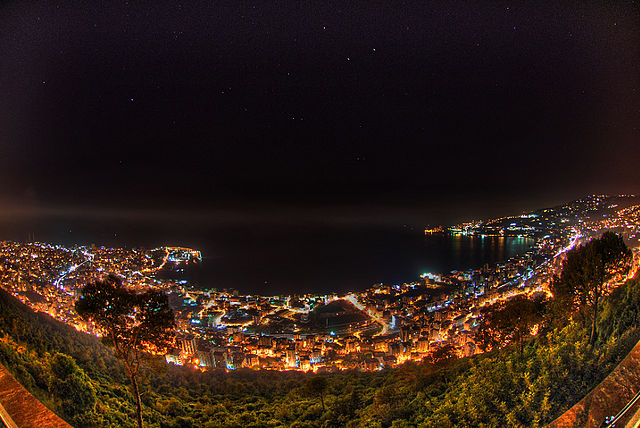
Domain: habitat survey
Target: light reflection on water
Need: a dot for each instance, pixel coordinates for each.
(287, 259)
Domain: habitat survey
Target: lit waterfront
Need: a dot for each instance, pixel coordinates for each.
(382, 326)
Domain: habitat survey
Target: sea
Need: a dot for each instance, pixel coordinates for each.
(284, 259)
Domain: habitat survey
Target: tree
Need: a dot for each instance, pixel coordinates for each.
(510, 321)
(317, 387)
(72, 386)
(443, 354)
(586, 272)
(345, 406)
(135, 325)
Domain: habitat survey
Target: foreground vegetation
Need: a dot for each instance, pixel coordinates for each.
(526, 383)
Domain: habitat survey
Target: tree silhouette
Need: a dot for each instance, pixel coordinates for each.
(135, 325)
(317, 387)
(586, 272)
(510, 321)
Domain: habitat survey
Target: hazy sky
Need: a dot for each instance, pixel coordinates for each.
(379, 108)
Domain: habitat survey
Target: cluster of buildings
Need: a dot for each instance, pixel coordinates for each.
(434, 317)
(549, 221)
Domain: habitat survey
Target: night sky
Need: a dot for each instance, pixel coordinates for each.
(301, 108)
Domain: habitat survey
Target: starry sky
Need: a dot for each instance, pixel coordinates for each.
(295, 107)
